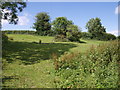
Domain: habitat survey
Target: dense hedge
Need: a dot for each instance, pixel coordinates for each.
(97, 68)
(86, 35)
(18, 32)
(118, 37)
(100, 36)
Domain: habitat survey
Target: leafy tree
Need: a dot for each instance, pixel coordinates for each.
(9, 10)
(118, 37)
(73, 33)
(95, 27)
(42, 23)
(108, 36)
(60, 25)
(86, 35)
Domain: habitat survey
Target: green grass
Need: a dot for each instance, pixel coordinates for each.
(30, 65)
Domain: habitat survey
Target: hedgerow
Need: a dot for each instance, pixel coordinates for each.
(97, 68)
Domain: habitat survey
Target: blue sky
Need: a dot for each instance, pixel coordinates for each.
(78, 12)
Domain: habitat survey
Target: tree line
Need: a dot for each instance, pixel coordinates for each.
(18, 32)
(65, 29)
(62, 28)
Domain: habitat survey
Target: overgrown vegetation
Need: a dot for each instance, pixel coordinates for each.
(97, 68)
(30, 65)
(101, 36)
(32, 61)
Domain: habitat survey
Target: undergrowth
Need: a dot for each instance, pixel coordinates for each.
(97, 68)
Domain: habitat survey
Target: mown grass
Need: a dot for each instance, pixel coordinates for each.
(30, 65)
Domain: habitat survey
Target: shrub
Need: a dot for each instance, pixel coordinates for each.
(106, 37)
(98, 36)
(18, 32)
(98, 68)
(73, 36)
(61, 38)
(86, 35)
(118, 37)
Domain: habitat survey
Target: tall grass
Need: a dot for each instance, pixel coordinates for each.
(97, 68)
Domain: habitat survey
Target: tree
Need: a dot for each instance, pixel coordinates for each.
(73, 33)
(95, 27)
(66, 30)
(60, 25)
(9, 10)
(118, 37)
(42, 23)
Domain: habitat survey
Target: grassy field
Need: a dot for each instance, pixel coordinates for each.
(30, 65)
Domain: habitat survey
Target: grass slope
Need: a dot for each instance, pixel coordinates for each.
(30, 65)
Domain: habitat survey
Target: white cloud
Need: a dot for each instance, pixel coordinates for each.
(23, 20)
(4, 22)
(117, 10)
(115, 32)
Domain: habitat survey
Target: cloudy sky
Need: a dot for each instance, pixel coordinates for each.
(78, 12)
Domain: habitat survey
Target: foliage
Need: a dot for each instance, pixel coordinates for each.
(65, 28)
(60, 38)
(106, 37)
(60, 25)
(95, 27)
(86, 35)
(101, 36)
(42, 23)
(98, 68)
(18, 32)
(73, 33)
(118, 37)
(10, 10)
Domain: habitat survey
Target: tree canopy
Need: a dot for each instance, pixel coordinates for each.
(66, 28)
(95, 27)
(9, 10)
(42, 23)
(60, 25)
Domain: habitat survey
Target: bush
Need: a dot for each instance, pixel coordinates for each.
(106, 37)
(61, 38)
(86, 35)
(98, 36)
(18, 32)
(73, 36)
(118, 37)
(98, 68)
